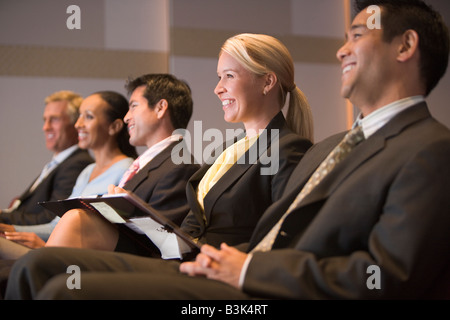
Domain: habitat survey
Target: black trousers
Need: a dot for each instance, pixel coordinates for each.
(43, 274)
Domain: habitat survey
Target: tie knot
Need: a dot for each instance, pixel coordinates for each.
(135, 165)
(51, 164)
(354, 136)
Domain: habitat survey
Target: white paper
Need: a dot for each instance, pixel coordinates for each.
(108, 212)
(167, 242)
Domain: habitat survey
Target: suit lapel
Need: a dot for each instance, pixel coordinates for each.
(358, 156)
(366, 150)
(143, 174)
(300, 175)
(28, 193)
(318, 153)
(191, 194)
(311, 161)
(244, 163)
(216, 190)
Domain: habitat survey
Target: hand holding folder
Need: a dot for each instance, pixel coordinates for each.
(129, 209)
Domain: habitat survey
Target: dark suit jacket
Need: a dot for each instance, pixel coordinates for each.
(236, 202)
(386, 205)
(162, 184)
(56, 186)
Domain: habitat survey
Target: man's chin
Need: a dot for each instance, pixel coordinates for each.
(345, 92)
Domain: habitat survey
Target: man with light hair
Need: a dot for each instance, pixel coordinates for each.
(58, 177)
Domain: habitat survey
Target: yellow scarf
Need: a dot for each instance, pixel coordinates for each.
(222, 164)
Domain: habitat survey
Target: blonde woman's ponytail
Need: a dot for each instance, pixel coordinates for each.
(299, 116)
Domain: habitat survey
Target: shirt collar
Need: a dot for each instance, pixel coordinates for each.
(63, 155)
(154, 150)
(378, 118)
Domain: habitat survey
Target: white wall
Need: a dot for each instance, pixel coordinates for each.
(299, 19)
(107, 26)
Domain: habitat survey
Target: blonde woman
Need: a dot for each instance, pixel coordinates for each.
(228, 195)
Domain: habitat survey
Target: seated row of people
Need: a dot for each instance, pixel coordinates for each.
(312, 229)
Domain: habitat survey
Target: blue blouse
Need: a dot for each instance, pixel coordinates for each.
(83, 187)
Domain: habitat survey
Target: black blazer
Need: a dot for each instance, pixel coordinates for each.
(56, 186)
(387, 205)
(236, 202)
(162, 184)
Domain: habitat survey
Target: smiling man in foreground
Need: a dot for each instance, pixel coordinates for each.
(381, 204)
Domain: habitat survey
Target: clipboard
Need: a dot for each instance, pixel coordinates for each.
(129, 209)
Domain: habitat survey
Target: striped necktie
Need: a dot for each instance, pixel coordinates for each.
(131, 171)
(351, 139)
(44, 173)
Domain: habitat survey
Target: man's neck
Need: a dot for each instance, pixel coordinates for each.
(73, 146)
(368, 107)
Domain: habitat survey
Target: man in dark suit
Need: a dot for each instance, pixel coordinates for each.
(159, 104)
(375, 227)
(61, 137)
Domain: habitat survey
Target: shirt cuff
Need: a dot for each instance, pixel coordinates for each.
(244, 270)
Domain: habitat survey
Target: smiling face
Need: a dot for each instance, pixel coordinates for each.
(240, 91)
(367, 63)
(59, 131)
(92, 124)
(142, 121)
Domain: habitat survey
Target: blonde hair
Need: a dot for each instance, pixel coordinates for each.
(73, 99)
(261, 54)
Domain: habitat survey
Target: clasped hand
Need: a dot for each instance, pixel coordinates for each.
(224, 265)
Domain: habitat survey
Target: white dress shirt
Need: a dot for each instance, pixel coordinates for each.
(154, 150)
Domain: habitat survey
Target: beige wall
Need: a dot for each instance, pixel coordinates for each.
(39, 55)
(118, 39)
(199, 28)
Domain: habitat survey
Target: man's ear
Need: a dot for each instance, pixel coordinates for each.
(409, 45)
(161, 108)
(115, 127)
(270, 82)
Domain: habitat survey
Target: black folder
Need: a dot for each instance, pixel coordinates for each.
(120, 208)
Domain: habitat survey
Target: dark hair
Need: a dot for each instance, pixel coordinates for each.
(117, 109)
(399, 16)
(176, 92)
